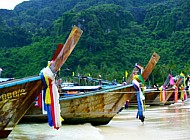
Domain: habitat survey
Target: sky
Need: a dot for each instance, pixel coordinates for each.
(9, 4)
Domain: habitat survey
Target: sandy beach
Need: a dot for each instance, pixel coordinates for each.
(161, 123)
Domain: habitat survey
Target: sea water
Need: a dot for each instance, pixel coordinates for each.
(161, 123)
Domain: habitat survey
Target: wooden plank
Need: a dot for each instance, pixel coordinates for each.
(67, 49)
(150, 66)
(148, 69)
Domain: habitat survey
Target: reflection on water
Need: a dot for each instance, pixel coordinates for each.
(161, 123)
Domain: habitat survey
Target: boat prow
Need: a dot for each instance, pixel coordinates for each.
(15, 98)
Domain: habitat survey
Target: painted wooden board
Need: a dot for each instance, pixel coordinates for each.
(150, 66)
(66, 49)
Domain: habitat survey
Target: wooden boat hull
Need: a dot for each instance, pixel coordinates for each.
(97, 108)
(15, 98)
(169, 93)
(150, 96)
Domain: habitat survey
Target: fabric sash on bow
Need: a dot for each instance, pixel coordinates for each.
(50, 98)
(162, 93)
(175, 94)
(183, 93)
(169, 81)
(140, 98)
(172, 83)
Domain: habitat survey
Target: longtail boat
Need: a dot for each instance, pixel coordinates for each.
(150, 94)
(168, 94)
(97, 107)
(179, 92)
(18, 95)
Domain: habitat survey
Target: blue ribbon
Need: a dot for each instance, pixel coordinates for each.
(140, 106)
(46, 107)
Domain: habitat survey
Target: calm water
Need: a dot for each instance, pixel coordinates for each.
(161, 123)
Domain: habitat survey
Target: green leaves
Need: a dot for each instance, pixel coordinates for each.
(117, 34)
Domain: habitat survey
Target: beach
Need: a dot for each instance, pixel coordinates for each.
(171, 122)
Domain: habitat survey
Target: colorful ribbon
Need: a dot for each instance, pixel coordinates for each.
(140, 98)
(51, 98)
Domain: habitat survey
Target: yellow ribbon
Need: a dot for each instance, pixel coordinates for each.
(161, 90)
(48, 96)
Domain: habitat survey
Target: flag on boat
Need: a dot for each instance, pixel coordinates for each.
(171, 80)
(126, 74)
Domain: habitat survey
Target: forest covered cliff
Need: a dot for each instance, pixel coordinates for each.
(116, 35)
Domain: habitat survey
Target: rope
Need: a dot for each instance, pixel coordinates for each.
(130, 92)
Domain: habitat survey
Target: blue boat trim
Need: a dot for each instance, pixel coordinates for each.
(19, 81)
(94, 92)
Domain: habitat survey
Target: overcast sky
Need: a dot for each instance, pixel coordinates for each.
(9, 4)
